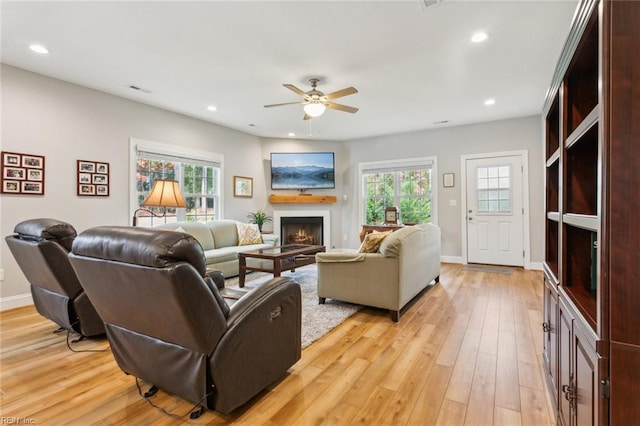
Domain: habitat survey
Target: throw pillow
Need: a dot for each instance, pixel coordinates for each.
(372, 241)
(248, 233)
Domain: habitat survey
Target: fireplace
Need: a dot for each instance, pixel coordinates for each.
(301, 230)
(314, 222)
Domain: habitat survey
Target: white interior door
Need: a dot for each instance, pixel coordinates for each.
(495, 211)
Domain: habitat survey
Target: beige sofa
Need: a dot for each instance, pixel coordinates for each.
(219, 240)
(407, 261)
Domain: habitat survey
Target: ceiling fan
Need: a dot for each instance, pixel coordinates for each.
(315, 102)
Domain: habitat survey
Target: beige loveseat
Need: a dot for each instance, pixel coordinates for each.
(219, 240)
(407, 261)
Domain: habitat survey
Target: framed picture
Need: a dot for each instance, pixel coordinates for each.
(34, 174)
(32, 187)
(102, 190)
(86, 190)
(11, 186)
(86, 166)
(14, 173)
(84, 177)
(32, 161)
(100, 179)
(93, 178)
(242, 186)
(22, 173)
(447, 180)
(11, 159)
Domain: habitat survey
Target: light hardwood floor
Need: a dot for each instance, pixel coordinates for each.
(467, 352)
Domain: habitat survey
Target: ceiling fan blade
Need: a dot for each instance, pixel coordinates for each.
(295, 89)
(287, 103)
(341, 107)
(341, 93)
(307, 117)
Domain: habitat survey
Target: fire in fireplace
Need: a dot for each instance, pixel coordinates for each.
(301, 230)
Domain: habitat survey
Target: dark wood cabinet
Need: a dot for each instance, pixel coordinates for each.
(550, 343)
(592, 180)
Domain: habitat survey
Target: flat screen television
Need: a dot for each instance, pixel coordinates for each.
(302, 170)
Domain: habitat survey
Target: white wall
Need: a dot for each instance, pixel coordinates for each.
(448, 144)
(65, 122)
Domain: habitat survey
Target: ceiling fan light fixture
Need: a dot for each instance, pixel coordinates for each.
(314, 109)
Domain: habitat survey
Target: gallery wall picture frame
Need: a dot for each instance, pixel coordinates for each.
(21, 173)
(93, 178)
(448, 180)
(242, 186)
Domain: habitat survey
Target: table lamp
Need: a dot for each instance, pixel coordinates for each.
(165, 193)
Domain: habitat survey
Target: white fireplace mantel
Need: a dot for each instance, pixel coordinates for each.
(326, 221)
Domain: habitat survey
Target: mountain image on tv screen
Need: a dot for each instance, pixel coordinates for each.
(303, 170)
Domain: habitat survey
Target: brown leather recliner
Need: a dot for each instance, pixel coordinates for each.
(41, 249)
(168, 324)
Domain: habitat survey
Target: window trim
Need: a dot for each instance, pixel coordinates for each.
(372, 166)
(136, 145)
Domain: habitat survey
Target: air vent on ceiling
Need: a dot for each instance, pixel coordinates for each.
(428, 3)
(139, 89)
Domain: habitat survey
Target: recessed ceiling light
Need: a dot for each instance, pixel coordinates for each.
(479, 37)
(489, 102)
(291, 134)
(212, 108)
(39, 49)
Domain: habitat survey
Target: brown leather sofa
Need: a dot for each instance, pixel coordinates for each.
(169, 324)
(41, 249)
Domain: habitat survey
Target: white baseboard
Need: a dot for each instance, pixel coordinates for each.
(15, 301)
(451, 259)
(535, 266)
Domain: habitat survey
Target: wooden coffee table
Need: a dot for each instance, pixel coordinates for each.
(283, 258)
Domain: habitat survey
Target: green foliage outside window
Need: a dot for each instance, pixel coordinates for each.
(409, 190)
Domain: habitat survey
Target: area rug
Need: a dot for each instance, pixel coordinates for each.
(488, 268)
(317, 319)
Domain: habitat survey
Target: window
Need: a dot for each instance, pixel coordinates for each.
(199, 181)
(494, 189)
(404, 184)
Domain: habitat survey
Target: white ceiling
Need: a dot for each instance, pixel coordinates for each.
(413, 66)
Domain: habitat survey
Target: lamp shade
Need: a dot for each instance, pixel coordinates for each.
(165, 193)
(314, 109)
